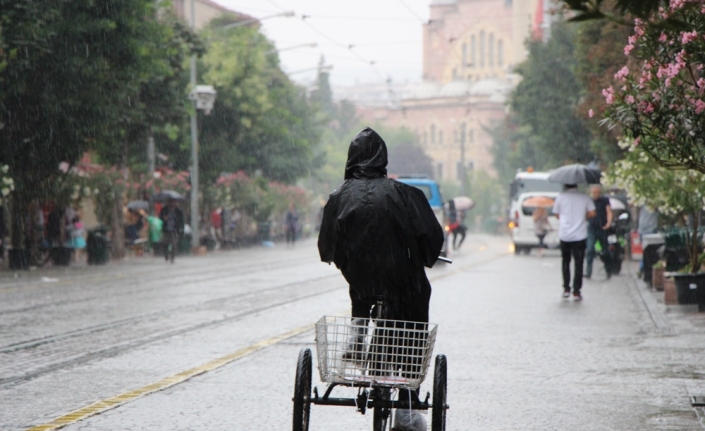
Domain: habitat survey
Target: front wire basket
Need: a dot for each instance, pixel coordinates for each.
(363, 352)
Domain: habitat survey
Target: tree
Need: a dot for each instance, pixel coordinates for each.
(70, 68)
(514, 147)
(261, 121)
(660, 102)
(409, 158)
(599, 54)
(547, 97)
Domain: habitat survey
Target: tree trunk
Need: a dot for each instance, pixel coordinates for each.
(117, 223)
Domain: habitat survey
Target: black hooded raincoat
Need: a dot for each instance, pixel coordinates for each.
(380, 233)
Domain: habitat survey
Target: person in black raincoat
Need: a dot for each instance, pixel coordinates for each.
(380, 233)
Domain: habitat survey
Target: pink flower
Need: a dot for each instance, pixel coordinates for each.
(628, 49)
(622, 74)
(663, 37)
(688, 37)
(591, 113)
(649, 109)
(630, 99)
(699, 106)
(637, 141)
(608, 93)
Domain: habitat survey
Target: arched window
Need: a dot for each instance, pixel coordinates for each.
(482, 48)
(440, 136)
(465, 57)
(490, 50)
(433, 133)
(500, 52)
(473, 51)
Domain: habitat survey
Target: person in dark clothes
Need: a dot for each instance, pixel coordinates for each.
(172, 228)
(598, 227)
(291, 224)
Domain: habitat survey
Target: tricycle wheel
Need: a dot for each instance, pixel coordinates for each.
(302, 391)
(440, 395)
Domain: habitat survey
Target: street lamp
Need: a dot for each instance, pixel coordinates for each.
(289, 48)
(203, 97)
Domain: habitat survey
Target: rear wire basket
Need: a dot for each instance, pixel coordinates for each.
(366, 352)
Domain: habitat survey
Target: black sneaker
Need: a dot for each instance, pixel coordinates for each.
(577, 296)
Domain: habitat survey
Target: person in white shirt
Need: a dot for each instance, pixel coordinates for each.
(573, 208)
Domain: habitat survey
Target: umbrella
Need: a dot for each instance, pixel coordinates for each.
(138, 205)
(575, 174)
(539, 202)
(617, 205)
(165, 195)
(463, 203)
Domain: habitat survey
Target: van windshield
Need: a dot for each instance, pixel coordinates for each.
(525, 185)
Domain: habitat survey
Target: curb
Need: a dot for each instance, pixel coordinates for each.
(655, 311)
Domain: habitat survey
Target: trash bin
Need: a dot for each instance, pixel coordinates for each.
(264, 231)
(98, 246)
(184, 246)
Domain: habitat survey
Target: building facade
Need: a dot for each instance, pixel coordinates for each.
(205, 11)
(470, 48)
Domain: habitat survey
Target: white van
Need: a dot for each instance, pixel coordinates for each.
(523, 234)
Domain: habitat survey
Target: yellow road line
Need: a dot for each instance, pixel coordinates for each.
(110, 403)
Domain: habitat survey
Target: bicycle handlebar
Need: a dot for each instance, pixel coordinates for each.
(445, 259)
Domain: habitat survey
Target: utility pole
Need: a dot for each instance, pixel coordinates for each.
(463, 173)
(195, 231)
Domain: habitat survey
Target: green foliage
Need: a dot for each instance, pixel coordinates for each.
(613, 10)
(261, 121)
(546, 99)
(599, 53)
(515, 147)
(676, 193)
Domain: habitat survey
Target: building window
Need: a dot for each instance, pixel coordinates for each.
(440, 136)
(433, 134)
(500, 53)
(490, 50)
(473, 51)
(459, 171)
(439, 171)
(482, 48)
(463, 128)
(465, 57)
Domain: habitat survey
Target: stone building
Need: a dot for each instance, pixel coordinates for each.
(470, 48)
(205, 10)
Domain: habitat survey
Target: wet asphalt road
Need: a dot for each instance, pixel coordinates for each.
(520, 357)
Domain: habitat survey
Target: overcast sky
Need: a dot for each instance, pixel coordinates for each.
(386, 32)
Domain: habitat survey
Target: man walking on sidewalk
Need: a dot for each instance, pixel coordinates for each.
(573, 208)
(597, 230)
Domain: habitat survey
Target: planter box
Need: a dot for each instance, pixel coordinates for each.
(19, 259)
(657, 278)
(691, 289)
(200, 251)
(61, 256)
(670, 296)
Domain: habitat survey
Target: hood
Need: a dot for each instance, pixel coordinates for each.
(367, 156)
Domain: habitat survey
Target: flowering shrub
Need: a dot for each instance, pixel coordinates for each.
(661, 100)
(256, 197)
(7, 185)
(165, 180)
(676, 193)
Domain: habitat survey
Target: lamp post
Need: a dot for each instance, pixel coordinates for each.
(203, 97)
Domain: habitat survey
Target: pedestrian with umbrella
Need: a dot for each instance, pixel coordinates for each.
(172, 227)
(573, 209)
